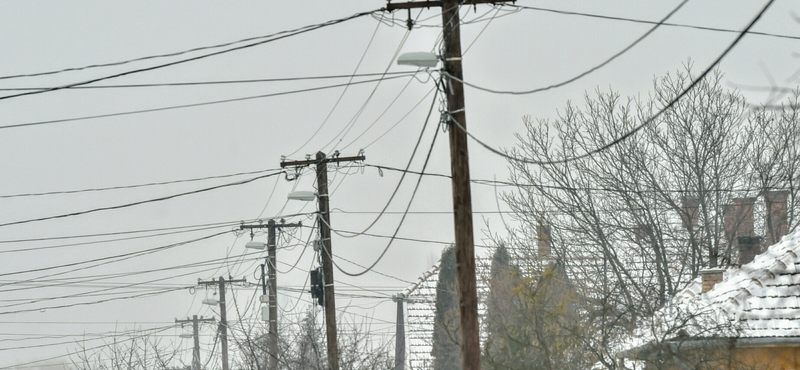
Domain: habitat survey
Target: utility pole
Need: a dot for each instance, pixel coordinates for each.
(459, 167)
(195, 331)
(321, 161)
(223, 320)
(399, 334)
(272, 338)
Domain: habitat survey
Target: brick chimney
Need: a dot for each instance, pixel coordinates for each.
(544, 247)
(710, 278)
(749, 248)
(690, 211)
(776, 224)
(738, 219)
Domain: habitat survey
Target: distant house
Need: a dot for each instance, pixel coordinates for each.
(745, 317)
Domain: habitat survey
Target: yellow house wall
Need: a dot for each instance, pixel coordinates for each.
(738, 358)
(777, 358)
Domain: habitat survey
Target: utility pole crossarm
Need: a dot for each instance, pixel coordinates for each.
(216, 282)
(308, 162)
(262, 226)
(390, 7)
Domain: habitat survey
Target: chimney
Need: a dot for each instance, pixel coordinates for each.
(776, 225)
(690, 211)
(738, 219)
(544, 246)
(749, 248)
(710, 278)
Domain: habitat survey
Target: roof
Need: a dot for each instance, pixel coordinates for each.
(760, 299)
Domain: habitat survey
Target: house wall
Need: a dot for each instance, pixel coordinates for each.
(770, 357)
(736, 358)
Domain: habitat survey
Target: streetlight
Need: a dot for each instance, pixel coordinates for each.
(419, 59)
(256, 245)
(303, 195)
(211, 302)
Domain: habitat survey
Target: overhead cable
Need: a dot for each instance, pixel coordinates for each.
(206, 83)
(630, 133)
(159, 199)
(192, 105)
(402, 219)
(87, 190)
(120, 256)
(408, 165)
(339, 100)
(270, 38)
(633, 20)
(582, 74)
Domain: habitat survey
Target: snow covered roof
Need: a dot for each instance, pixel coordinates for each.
(760, 299)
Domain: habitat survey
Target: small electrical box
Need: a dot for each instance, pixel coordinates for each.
(265, 313)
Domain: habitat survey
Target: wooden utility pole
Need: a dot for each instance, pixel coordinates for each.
(272, 338)
(195, 334)
(223, 320)
(321, 161)
(459, 167)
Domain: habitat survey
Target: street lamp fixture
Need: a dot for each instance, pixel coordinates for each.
(419, 59)
(256, 245)
(211, 301)
(306, 196)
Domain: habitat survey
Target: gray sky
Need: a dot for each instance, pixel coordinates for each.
(514, 51)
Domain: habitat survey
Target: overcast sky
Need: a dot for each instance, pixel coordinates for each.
(505, 49)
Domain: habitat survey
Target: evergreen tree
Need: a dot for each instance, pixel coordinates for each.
(502, 306)
(446, 349)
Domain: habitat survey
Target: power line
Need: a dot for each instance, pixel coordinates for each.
(270, 38)
(168, 197)
(79, 236)
(26, 301)
(408, 165)
(83, 244)
(582, 74)
(485, 182)
(400, 120)
(637, 128)
(633, 20)
(192, 105)
(134, 186)
(122, 256)
(339, 100)
(400, 224)
(220, 82)
(360, 111)
(148, 294)
(75, 281)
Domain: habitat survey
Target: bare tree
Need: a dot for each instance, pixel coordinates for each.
(633, 224)
(130, 351)
(302, 346)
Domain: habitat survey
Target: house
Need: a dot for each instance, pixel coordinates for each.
(745, 317)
